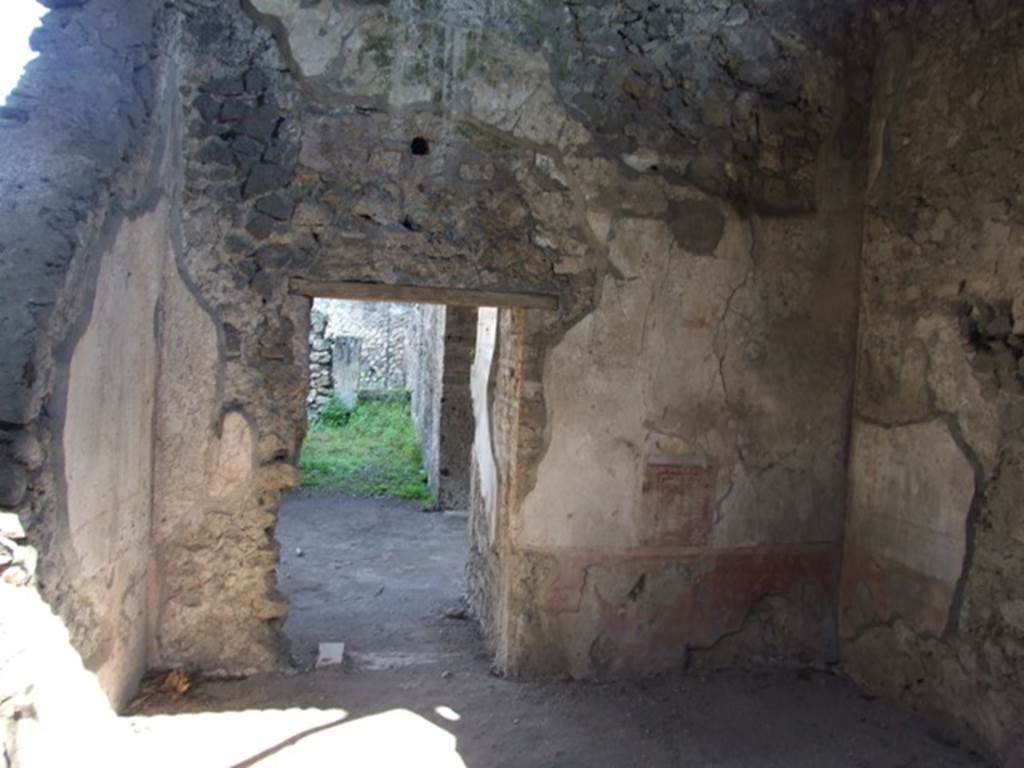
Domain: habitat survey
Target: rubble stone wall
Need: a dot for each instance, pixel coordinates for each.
(90, 165)
(933, 578)
(457, 431)
(425, 364)
(483, 146)
(321, 363)
(664, 466)
(383, 327)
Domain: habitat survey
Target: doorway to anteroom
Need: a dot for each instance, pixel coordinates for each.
(373, 544)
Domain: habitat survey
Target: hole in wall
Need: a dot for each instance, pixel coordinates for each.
(998, 352)
(419, 146)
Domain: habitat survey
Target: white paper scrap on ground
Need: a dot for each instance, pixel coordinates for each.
(330, 654)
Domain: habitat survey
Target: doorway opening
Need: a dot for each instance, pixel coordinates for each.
(373, 545)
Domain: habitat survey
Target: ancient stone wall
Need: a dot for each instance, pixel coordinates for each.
(456, 421)
(383, 328)
(234, 366)
(321, 363)
(89, 163)
(482, 563)
(933, 577)
(425, 364)
(558, 150)
(667, 448)
(663, 468)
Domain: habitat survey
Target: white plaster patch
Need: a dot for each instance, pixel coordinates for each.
(315, 35)
(912, 492)
(480, 377)
(643, 160)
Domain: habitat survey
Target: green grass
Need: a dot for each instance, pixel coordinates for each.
(372, 452)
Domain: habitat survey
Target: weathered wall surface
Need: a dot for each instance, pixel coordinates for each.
(89, 167)
(697, 425)
(456, 425)
(321, 363)
(425, 364)
(384, 329)
(108, 450)
(659, 466)
(482, 563)
(570, 150)
(933, 577)
(279, 185)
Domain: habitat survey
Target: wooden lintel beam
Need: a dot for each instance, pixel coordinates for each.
(415, 294)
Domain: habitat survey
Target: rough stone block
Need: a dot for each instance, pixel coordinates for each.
(266, 178)
(260, 123)
(276, 205)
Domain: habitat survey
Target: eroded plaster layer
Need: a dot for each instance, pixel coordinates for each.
(934, 568)
(911, 494)
(457, 428)
(695, 462)
(90, 161)
(108, 452)
(476, 145)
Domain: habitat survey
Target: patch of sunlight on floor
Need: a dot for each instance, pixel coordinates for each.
(273, 738)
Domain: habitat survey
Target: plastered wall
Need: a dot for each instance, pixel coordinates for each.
(91, 218)
(704, 261)
(665, 469)
(932, 601)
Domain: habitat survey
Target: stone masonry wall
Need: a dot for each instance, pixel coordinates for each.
(933, 577)
(425, 364)
(553, 149)
(684, 179)
(383, 327)
(667, 470)
(321, 363)
(90, 167)
(456, 425)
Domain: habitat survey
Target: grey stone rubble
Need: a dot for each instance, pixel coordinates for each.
(321, 364)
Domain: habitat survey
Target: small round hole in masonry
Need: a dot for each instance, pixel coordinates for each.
(420, 146)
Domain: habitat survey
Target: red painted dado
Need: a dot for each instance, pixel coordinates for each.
(724, 588)
(877, 589)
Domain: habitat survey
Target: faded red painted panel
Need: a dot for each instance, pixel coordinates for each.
(719, 599)
(876, 589)
(676, 503)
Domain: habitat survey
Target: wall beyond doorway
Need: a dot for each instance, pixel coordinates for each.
(384, 329)
(456, 409)
(424, 348)
(441, 346)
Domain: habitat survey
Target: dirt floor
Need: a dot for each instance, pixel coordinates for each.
(416, 687)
